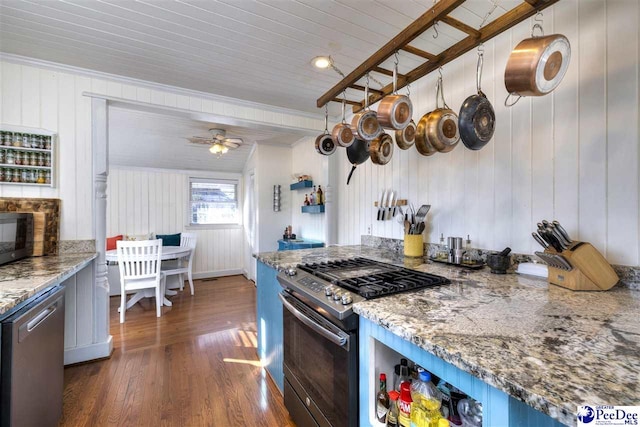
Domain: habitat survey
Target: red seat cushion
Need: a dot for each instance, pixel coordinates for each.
(111, 241)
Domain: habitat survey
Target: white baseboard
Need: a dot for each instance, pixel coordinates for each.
(88, 352)
(218, 273)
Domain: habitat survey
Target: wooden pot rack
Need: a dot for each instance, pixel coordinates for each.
(438, 13)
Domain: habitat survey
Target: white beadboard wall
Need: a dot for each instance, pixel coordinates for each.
(307, 161)
(142, 201)
(571, 155)
(46, 95)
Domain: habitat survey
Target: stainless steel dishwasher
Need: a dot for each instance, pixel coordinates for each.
(32, 362)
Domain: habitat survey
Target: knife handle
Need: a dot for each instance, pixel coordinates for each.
(562, 231)
(539, 239)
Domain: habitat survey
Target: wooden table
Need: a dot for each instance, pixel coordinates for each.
(168, 253)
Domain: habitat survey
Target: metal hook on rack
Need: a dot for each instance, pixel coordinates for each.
(440, 71)
(538, 24)
(435, 28)
(396, 58)
(408, 89)
(539, 17)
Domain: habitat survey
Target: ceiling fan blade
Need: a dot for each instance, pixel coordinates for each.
(231, 144)
(199, 140)
(234, 140)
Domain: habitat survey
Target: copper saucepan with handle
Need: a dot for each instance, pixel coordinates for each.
(365, 123)
(536, 65)
(342, 134)
(395, 111)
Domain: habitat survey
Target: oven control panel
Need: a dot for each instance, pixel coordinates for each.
(334, 299)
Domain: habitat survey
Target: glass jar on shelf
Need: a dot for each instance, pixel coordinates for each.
(47, 177)
(40, 159)
(19, 158)
(6, 138)
(8, 175)
(16, 175)
(47, 159)
(47, 143)
(41, 178)
(33, 161)
(17, 139)
(33, 141)
(26, 160)
(26, 140)
(3, 154)
(9, 158)
(24, 175)
(2, 174)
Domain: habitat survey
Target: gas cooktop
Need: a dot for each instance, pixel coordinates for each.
(335, 285)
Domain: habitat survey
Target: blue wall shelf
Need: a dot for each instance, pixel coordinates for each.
(300, 185)
(313, 209)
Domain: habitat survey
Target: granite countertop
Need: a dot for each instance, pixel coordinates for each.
(550, 347)
(23, 279)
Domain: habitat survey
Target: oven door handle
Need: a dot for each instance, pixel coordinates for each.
(340, 339)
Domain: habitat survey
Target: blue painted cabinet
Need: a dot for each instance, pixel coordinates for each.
(291, 245)
(381, 349)
(269, 322)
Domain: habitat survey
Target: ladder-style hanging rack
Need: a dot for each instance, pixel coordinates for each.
(438, 13)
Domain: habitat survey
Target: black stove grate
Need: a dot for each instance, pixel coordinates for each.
(372, 279)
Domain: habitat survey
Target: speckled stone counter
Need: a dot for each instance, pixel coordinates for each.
(548, 346)
(23, 279)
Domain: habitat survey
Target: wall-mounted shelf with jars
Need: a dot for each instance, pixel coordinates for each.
(26, 156)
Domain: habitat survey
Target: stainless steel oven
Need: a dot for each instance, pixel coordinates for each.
(320, 367)
(321, 333)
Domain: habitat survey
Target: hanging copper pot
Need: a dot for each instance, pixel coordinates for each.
(341, 133)
(405, 138)
(395, 111)
(423, 145)
(537, 65)
(381, 149)
(365, 123)
(439, 127)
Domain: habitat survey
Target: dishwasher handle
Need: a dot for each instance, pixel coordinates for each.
(40, 318)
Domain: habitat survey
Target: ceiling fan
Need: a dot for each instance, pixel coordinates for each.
(218, 141)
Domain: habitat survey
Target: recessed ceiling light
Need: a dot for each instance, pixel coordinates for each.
(321, 62)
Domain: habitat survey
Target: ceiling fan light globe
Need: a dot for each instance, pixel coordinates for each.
(224, 150)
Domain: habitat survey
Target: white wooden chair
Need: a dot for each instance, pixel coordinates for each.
(184, 265)
(139, 263)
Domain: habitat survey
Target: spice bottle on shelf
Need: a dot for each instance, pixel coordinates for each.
(320, 195)
(382, 400)
(404, 405)
(47, 143)
(392, 413)
(41, 179)
(47, 177)
(17, 139)
(306, 200)
(19, 157)
(10, 158)
(312, 199)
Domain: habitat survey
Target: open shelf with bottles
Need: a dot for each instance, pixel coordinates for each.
(301, 185)
(27, 156)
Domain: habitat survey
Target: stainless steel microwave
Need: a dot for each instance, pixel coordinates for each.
(16, 236)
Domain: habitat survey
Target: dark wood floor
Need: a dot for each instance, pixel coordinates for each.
(194, 366)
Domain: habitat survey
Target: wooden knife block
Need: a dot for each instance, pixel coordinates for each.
(591, 271)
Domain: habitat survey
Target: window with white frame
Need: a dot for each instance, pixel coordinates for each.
(213, 201)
